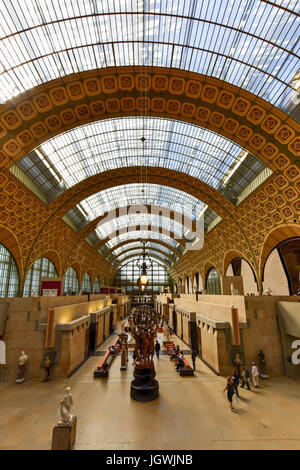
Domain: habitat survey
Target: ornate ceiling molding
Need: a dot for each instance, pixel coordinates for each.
(59, 105)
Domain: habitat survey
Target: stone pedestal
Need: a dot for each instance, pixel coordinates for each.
(144, 387)
(64, 435)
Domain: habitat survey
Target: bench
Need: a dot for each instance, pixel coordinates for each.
(108, 357)
(187, 369)
(170, 345)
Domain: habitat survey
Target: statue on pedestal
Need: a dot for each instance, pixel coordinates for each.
(166, 333)
(65, 408)
(144, 387)
(22, 367)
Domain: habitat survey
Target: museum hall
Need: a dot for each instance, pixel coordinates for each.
(149, 225)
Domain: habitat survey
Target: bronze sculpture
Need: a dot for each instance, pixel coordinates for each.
(144, 387)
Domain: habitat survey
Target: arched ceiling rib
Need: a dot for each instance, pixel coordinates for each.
(151, 197)
(251, 45)
(141, 229)
(135, 245)
(139, 253)
(114, 143)
(155, 242)
(132, 210)
(164, 262)
(143, 220)
(144, 235)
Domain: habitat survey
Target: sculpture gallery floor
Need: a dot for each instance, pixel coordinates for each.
(191, 412)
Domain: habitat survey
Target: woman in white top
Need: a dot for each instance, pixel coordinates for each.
(255, 374)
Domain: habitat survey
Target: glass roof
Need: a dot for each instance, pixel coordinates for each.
(113, 143)
(132, 220)
(137, 194)
(138, 245)
(139, 253)
(157, 260)
(143, 234)
(253, 45)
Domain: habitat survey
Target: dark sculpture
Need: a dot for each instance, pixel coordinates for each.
(144, 387)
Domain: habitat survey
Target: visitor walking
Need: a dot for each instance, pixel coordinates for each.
(245, 378)
(194, 355)
(157, 349)
(230, 391)
(255, 375)
(235, 381)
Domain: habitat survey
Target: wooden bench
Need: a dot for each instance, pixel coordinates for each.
(187, 369)
(170, 346)
(108, 357)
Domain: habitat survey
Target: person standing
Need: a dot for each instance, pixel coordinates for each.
(255, 375)
(245, 378)
(157, 348)
(194, 355)
(230, 391)
(235, 381)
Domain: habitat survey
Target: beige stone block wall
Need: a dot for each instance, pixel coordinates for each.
(185, 328)
(72, 350)
(121, 310)
(68, 313)
(217, 307)
(115, 317)
(21, 334)
(237, 282)
(100, 329)
(214, 351)
(264, 332)
(107, 315)
(171, 315)
(179, 330)
(210, 346)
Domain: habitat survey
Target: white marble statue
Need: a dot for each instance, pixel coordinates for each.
(2, 352)
(22, 367)
(166, 332)
(65, 408)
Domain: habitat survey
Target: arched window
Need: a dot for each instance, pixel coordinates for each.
(71, 283)
(86, 285)
(43, 267)
(213, 282)
(129, 273)
(96, 285)
(103, 282)
(240, 267)
(9, 276)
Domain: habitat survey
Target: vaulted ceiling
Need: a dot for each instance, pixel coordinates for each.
(163, 59)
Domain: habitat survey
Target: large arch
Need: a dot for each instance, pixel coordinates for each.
(138, 228)
(115, 262)
(163, 261)
(162, 176)
(65, 103)
(10, 242)
(53, 256)
(132, 209)
(141, 240)
(276, 236)
(232, 254)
